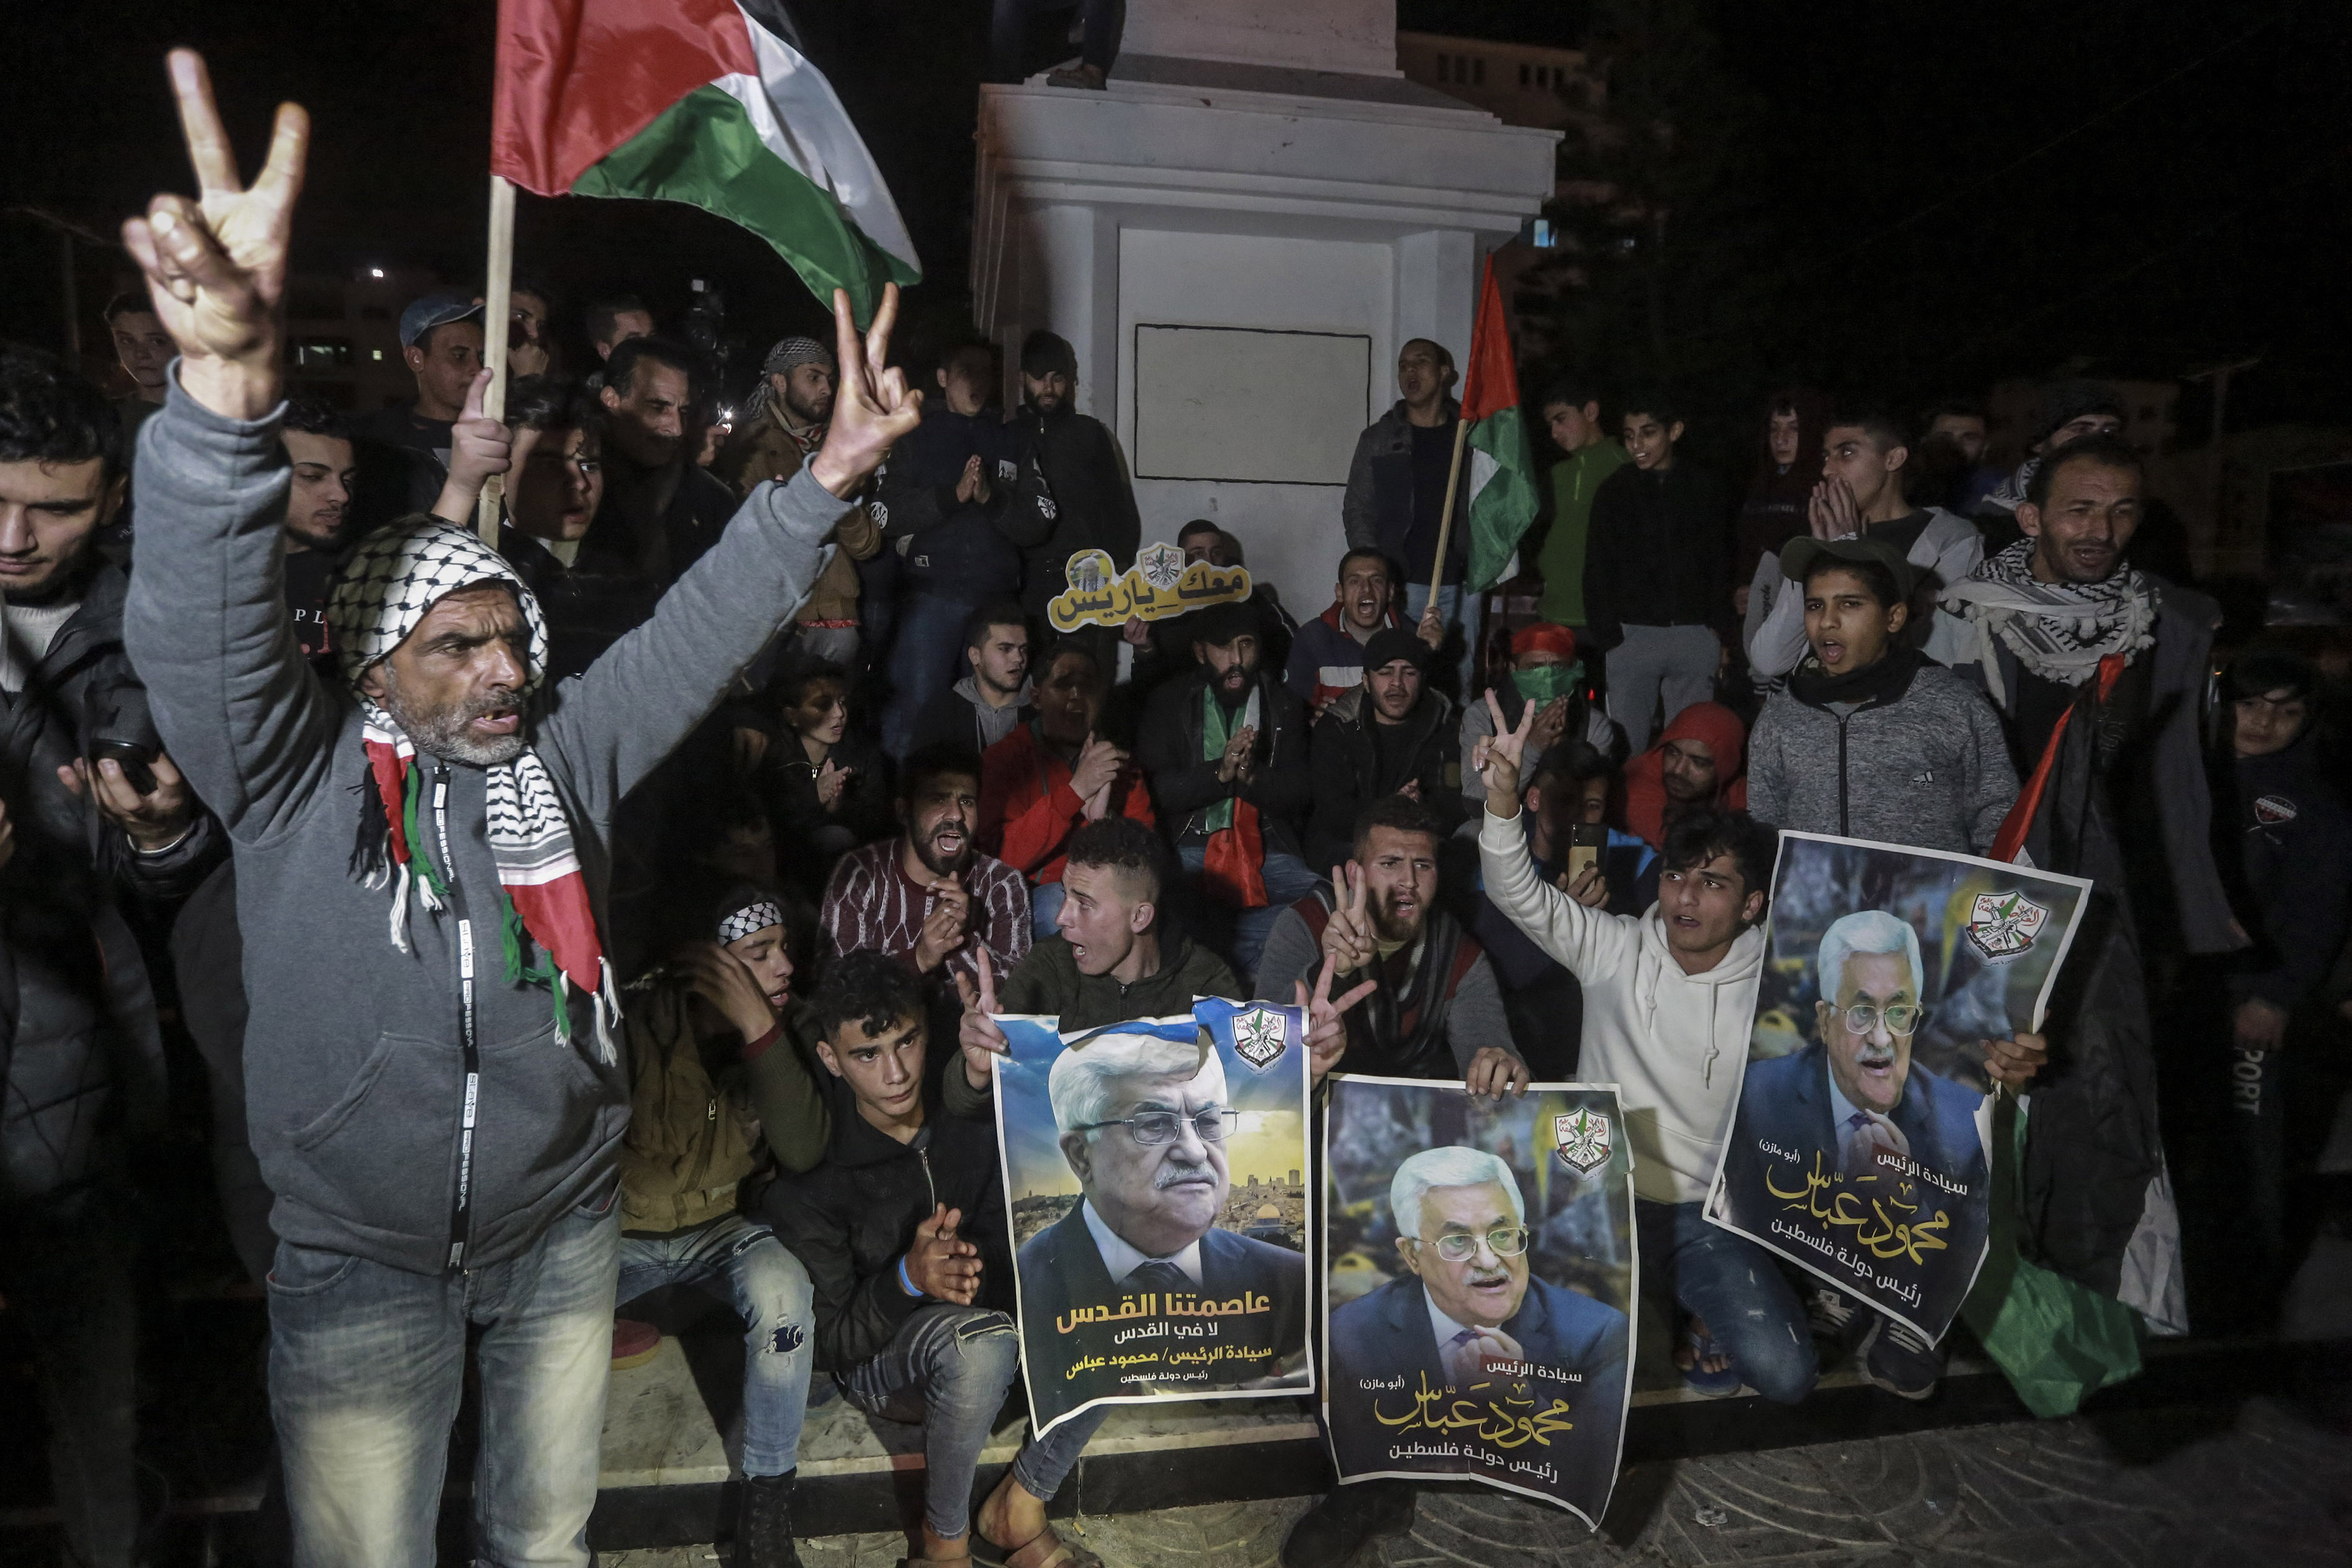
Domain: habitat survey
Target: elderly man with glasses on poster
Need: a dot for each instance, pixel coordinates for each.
(1467, 1319)
(1144, 1122)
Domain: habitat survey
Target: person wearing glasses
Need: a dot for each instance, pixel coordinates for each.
(1144, 1122)
(1465, 1300)
(1858, 1096)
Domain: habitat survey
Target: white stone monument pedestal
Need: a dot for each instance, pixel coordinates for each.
(1237, 236)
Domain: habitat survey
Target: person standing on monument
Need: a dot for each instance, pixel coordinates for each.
(1086, 503)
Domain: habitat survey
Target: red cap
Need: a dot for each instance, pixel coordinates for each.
(1544, 636)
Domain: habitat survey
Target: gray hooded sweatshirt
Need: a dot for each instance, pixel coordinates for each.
(355, 1059)
(1924, 763)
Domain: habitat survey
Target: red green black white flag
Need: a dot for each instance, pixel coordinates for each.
(709, 102)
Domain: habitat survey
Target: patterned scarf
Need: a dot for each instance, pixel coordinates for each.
(788, 352)
(546, 926)
(2059, 631)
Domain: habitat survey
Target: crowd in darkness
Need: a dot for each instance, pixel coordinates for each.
(624, 904)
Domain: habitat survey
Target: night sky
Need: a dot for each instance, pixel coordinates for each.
(1923, 195)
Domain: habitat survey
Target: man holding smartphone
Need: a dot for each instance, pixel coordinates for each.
(75, 737)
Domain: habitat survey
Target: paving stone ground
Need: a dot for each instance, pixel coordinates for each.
(2264, 1484)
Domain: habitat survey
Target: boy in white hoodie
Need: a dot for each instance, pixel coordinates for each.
(1668, 999)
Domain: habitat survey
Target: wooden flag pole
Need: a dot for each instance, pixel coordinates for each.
(498, 294)
(1445, 525)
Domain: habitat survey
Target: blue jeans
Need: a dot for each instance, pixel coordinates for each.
(367, 1363)
(923, 663)
(959, 1362)
(1738, 1288)
(1459, 612)
(742, 1262)
(1288, 880)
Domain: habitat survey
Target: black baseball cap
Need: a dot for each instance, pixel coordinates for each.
(1800, 557)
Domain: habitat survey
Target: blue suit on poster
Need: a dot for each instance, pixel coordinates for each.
(1389, 1334)
(1062, 1270)
(1785, 1101)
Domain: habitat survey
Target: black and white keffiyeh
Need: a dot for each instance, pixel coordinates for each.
(2060, 631)
(738, 924)
(394, 577)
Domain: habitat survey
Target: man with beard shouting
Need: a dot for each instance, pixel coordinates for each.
(1434, 1010)
(927, 894)
(422, 865)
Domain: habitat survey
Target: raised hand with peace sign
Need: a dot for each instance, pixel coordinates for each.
(872, 407)
(1498, 757)
(1348, 935)
(1327, 1035)
(216, 266)
(978, 1036)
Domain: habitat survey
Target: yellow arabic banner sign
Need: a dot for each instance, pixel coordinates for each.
(1159, 585)
(1480, 1291)
(1857, 1149)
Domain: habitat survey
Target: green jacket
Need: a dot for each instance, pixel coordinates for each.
(1049, 982)
(701, 1120)
(1574, 479)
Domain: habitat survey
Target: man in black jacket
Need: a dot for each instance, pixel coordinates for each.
(953, 498)
(80, 1043)
(1394, 734)
(1657, 575)
(1224, 746)
(902, 1230)
(1088, 502)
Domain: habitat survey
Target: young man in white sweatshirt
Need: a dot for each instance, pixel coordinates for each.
(1668, 1000)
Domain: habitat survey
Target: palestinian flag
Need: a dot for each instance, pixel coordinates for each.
(1502, 476)
(702, 102)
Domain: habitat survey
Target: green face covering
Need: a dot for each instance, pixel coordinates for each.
(1544, 682)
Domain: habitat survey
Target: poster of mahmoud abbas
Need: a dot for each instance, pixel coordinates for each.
(1156, 1173)
(1480, 1286)
(1857, 1149)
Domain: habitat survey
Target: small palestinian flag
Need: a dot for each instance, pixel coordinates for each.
(1502, 477)
(708, 102)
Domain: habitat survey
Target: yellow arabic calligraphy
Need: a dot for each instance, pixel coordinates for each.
(1100, 594)
(1507, 1423)
(1891, 1238)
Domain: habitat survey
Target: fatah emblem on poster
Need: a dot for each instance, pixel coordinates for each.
(1159, 585)
(1857, 1151)
(1156, 1172)
(1480, 1286)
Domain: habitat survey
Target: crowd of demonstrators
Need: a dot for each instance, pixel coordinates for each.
(756, 837)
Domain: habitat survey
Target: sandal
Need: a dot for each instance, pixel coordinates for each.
(1043, 1550)
(1695, 1377)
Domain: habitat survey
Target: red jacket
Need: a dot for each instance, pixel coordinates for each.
(1028, 810)
(1645, 785)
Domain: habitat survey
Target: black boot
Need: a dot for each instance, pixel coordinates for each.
(763, 1524)
(1335, 1531)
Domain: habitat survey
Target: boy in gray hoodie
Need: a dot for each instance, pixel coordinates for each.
(423, 848)
(1870, 738)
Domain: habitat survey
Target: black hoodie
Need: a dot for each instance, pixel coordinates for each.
(2287, 868)
(850, 1220)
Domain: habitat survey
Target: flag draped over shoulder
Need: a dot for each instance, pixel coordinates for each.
(1502, 470)
(702, 102)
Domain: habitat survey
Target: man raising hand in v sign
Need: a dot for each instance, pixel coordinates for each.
(434, 1094)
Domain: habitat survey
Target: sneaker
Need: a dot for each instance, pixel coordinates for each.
(763, 1524)
(1335, 1531)
(1899, 1361)
(1830, 1313)
(634, 1343)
